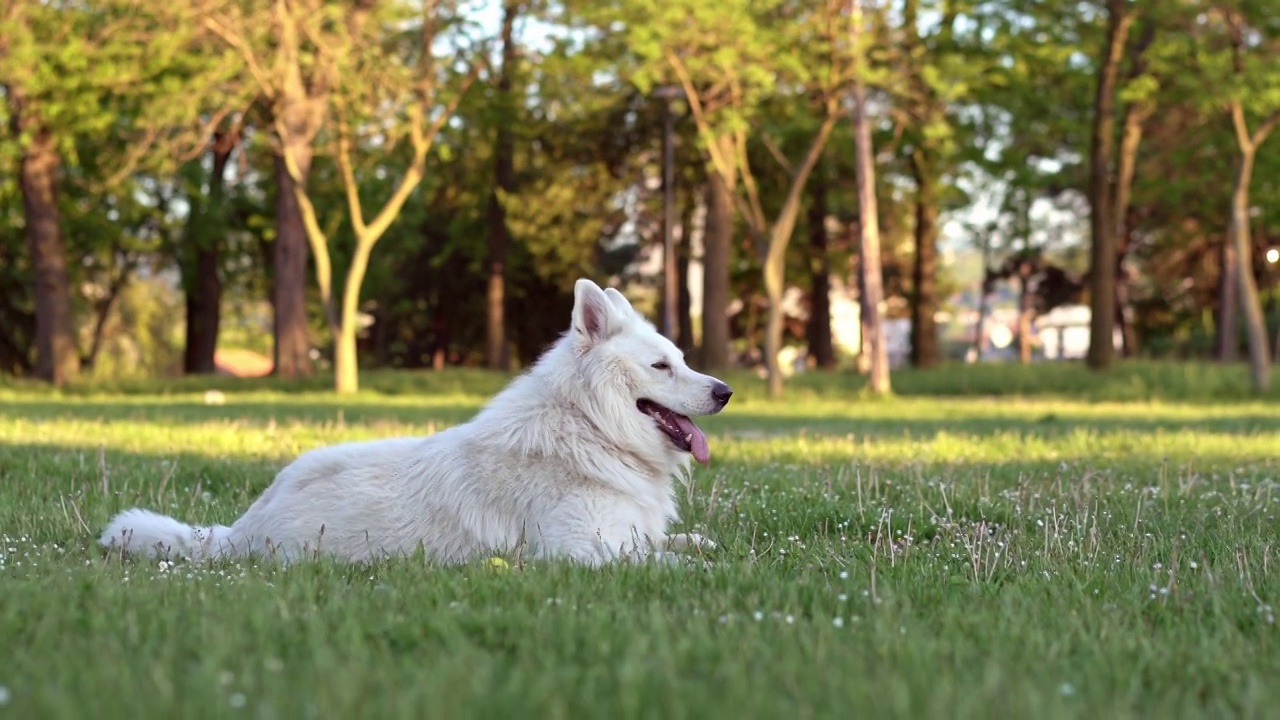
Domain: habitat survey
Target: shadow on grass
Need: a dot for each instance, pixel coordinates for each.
(880, 420)
(1128, 381)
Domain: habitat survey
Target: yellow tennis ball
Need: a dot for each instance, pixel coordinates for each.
(497, 563)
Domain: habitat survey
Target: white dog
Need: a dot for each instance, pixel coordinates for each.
(575, 459)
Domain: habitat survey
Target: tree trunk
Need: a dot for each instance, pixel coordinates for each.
(864, 317)
(292, 346)
(302, 106)
(346, 367)
(203, 281)
(925, 107)
(684, 319)
(1228, 323)
(979, 325)
(1124, 315)
(1136, 113)
(57, 355)
(1024, 315)
(498, 356)
(1254, 322)
(717, 250)
(774, 284)
(204, 297)
(869, 225)
(821, 349)
(924, 305)
(1102, 220)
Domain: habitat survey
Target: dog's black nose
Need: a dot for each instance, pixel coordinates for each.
(721, 393)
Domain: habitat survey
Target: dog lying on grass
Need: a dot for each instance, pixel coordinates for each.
(577, 459)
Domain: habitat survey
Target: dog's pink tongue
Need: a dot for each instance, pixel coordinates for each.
(698, 440)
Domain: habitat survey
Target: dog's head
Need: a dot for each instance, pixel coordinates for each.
(652, 388)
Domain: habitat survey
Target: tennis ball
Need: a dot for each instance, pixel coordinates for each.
(497, 563)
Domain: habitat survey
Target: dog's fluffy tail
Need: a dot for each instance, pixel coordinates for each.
(142, 532)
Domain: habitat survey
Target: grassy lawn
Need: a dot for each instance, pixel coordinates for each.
(993, 541)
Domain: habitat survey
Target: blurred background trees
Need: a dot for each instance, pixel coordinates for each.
(293, 185)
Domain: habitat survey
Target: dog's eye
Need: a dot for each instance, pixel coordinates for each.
(661, 365)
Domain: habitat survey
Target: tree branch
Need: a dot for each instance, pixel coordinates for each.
(1265, 128)
(1238, 123)
(343, 156)
(757, 218)
(776, 152)
(239, 44)
(791, 206)
(718, 161)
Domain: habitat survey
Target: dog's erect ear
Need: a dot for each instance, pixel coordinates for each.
(619, 300)
(594, 315)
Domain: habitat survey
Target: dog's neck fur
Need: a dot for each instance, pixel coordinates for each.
(553, 386)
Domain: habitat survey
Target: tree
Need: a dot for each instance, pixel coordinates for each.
(200, 258)
(1248, 91)
(936, 79)
(57, 356)
(289, 77)
(771, 236)
(731, 62)
(1102, 304)
(503, 184)
(868, 214)
(360, 84)
(717, 252)
(1138, 95)
(88, 98)
(818, 332)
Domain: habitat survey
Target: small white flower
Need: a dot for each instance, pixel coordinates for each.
(758, 616)
(838, 622)
(237, 700)
(844, 574)
(4, 696)
(1067, 689)
(791, 619)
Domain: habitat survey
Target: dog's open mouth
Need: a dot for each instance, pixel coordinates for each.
(683, 432)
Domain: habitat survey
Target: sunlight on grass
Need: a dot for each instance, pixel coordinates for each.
(922, 556)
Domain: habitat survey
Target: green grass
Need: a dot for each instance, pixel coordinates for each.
(1030, 542)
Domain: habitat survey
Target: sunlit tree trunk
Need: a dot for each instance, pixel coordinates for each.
(869, 225)
(1238, 232)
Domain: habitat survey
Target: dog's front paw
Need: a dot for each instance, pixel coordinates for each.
(681, 542)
